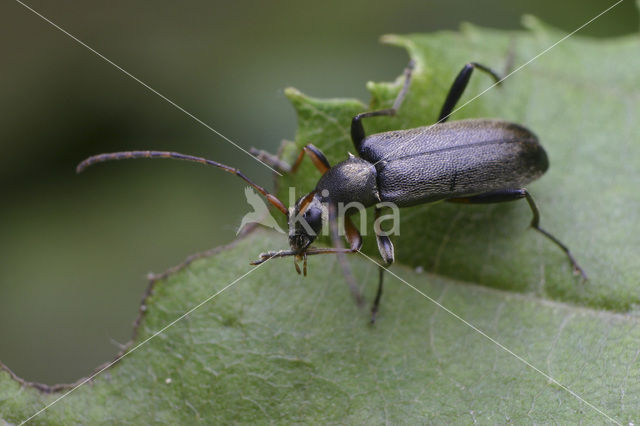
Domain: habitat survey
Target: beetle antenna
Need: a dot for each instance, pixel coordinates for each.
(125, 155)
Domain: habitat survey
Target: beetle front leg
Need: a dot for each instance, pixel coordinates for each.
(355, 242)
(317, 157)
(458, 86)
(516, 194)
(357, 130)
(270, 160)
(385, 247)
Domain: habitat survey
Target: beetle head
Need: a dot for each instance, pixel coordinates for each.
(305, 222)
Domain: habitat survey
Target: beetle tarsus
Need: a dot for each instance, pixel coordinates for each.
(577, 270)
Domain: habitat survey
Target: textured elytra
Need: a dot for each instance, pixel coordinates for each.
(453, 159)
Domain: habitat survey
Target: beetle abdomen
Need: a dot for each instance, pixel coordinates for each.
(453, 159)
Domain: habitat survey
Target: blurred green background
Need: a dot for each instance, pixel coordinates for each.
(74, 250)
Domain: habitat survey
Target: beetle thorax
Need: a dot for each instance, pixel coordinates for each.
(353, 180)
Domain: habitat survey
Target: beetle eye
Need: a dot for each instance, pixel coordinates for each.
(313, 216)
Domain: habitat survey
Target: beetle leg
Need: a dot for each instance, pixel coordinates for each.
(376, 301)
(357, 130)
(491, 197)
(270, 159)
(458, 86)
(385, 247)
(355, 242)
(317, 157)
(535, 224)
(516, 194)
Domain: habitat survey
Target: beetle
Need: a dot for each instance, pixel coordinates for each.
(472, 161)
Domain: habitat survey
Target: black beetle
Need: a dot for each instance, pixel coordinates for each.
(475, 161)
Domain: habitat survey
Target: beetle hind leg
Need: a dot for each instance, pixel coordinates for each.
(516, 194)
(535, 224)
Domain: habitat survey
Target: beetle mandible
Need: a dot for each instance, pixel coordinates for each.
(474, 161)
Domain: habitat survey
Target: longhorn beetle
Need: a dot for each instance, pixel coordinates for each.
(473, 161)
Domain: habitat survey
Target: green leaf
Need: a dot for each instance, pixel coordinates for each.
(277, 347)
